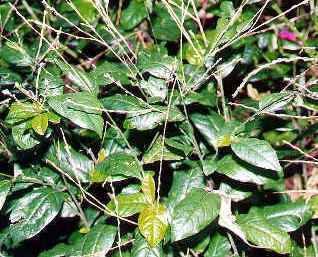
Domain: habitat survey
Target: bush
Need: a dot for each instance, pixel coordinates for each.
(158, 128)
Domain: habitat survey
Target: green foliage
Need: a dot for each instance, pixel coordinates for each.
(158, 128)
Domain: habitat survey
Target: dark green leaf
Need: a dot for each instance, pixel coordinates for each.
(116, 164)
(194, 213)
(241, 171)
(274, 102)
(219, 246)
(133, 14)
(33, 212)
(158, 152)
(142, 249)
(125, 104)
(79, 77)
(5, 186)
(76, 164)
(256, 152)
(58, 250)
(262, 233)
(96, 242)
(16, 54)
(81, 108)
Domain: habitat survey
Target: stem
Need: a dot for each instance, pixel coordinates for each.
(224, 107)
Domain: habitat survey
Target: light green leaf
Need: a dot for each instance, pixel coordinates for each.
(128, 204)
(257, 152)
(20, 111)
(81, 108)
(156, 150)
(133, 14)
(23, 136)
(16, 54)
(194, 213)
(148, 188)
(33, 212)
(76, 164)
(260, 232)
(5, 186)
(219, 246)
(153, 223)
(116, 164)
(142, 249)
(96, 242)
(40, 123)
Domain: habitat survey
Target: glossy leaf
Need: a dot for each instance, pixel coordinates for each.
(288, 216)
(153, 223)
(260, 232)
(20, 111)
(76, 164)
(274, 102)
(124, 104)
(183, 182)
(96, 242)
(79, 77)
(219, 246)
(236, 169)
(155, 87)
(40, 123)
(5, 186)
(148, 187)
(81, 108)
(133, 14)
(58, 250)
(33, 212)
(194, 213)
(257, 152)
(116, 164)
(128, 204)
(158, 151)
(153, 119)
(142, 249)
(23, 136)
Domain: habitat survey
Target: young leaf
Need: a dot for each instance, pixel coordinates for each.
(33, 212)
(153, 223)
(194, 213)
(40, 123)
(81, 108)
(128, 204)
(116, 164)
(148, 188)
(96, 242)
(257, 152)
(20, 111)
